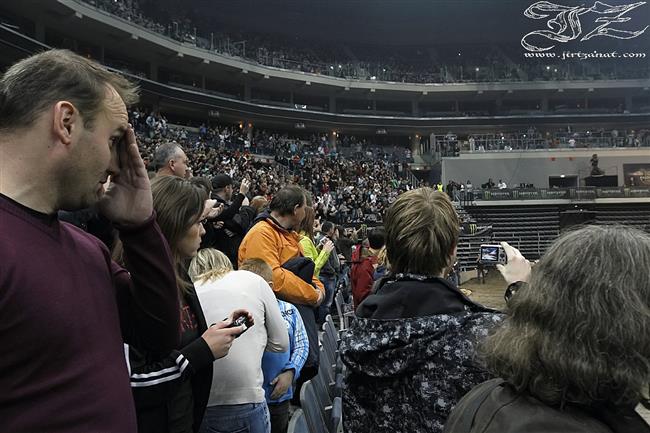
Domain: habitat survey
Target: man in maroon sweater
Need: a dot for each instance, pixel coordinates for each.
(66, 308)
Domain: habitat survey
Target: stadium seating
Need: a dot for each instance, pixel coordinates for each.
(531, 229)
(321, 397)
(637, 215)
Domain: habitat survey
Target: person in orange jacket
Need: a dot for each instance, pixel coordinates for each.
(274, 239)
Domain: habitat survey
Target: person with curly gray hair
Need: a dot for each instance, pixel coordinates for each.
(574, 352)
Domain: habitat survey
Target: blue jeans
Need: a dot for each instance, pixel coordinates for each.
(330, 287)
(237, 418)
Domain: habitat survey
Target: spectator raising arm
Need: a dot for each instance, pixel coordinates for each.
(146, 294)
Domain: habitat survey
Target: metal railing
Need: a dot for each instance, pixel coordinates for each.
(573, 194)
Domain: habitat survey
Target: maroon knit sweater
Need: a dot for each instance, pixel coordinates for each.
(65, 311)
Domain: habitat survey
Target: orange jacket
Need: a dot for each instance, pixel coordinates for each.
(276, 245)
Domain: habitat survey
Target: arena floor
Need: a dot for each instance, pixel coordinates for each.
(490, 294)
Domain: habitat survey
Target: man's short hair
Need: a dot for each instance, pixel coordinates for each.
(34, 84)
(287, 199)
(259, 203)
(326, 227)
(165, 153)
(376, 238)
(220, 181)
(259, 267)
(422, 230)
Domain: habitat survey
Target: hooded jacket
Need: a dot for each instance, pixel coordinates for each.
(362, 274)
(410, 355)
(269, 241)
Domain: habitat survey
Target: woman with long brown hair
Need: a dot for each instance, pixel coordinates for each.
(171, 389)
(307, 242)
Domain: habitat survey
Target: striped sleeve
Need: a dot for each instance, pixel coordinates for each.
(144, 374)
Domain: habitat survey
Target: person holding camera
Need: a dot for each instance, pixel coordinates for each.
(410, 355)
(331, 269)
(171, 389)
(319, 256)
(237, 399)
(572, 355)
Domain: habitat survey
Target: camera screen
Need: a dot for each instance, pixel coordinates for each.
(490, 254)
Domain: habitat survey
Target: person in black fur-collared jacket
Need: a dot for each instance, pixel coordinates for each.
(411, 352)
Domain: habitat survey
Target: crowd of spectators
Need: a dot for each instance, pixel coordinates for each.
(355, 181)
(406, 65)
(451, 144)
(137, 341)
(346, 189)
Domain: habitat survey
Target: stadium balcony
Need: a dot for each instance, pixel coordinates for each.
(184, 62)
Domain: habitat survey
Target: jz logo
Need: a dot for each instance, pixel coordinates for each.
(566, 25)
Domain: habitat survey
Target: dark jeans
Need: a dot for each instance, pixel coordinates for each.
(329, 281)
(279, 416)
(237, 418)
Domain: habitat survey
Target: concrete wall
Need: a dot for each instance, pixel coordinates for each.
(536, 166)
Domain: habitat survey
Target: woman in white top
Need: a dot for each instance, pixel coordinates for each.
(237, 401)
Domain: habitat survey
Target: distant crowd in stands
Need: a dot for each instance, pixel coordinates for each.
(451, 144)
(412, 65)
(354, 189)
(353, 182)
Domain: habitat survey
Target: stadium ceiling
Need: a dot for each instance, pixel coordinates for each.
(396, 22)
(380, 22)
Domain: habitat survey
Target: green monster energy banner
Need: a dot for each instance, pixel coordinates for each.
(587, 193)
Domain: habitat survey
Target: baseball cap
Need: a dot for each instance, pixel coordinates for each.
(221, 181)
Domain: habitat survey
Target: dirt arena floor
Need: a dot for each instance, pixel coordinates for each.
(490, 294)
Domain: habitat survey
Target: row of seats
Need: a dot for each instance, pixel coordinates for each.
(529, 229)
(637, 215)
(321, 397)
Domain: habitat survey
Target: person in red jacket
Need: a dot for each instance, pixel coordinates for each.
(364, 262)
